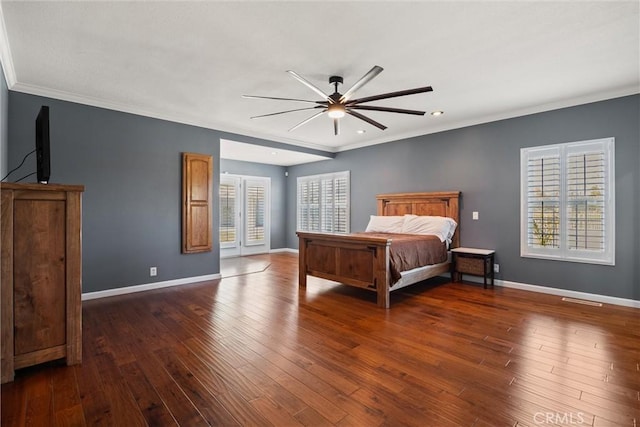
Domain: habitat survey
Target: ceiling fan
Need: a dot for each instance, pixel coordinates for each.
(337, 105)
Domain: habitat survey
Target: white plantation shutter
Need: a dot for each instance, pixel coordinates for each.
(314, 206)
(327, 204)
(323, 203)
(568, 201)
(303, 209)
(585, 201)
(228, 227)
(255, 211)
(543, 200)
(341, 205)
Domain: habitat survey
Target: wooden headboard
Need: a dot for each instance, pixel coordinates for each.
(441, 203)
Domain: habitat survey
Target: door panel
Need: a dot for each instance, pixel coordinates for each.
(256, 235)
(230, 202)
(197, 184)
(244, 215)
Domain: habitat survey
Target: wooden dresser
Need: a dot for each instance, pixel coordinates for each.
(41, 317)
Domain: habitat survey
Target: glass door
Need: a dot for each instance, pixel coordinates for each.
(229, 216)
(256, 216)
(244, 215)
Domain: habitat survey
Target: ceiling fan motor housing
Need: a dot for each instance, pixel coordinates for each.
(336, 79)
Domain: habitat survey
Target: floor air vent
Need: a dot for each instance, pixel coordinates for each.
(582, 301)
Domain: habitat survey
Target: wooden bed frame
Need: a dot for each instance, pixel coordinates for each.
(363, 261)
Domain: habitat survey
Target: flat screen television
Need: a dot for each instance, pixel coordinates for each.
(43, 159)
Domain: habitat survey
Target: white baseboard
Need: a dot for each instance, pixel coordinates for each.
(280, 250)
(504, 283)
(149, 286)
(562, 292)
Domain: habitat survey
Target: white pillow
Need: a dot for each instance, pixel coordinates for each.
(440, 226)
(385, 224)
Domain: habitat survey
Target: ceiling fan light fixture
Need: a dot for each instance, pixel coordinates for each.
(337, 105)
(336, 111)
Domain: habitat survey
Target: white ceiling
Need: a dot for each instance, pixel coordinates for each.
(234, 150)
(190, 62)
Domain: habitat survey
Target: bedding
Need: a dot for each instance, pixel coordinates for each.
(409, 251)
(385, 224)
(440, 226)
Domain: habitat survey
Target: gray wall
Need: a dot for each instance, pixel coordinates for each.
(484, 163)
(278, 193)
(130, 166)
(131, 169)
(4, 128)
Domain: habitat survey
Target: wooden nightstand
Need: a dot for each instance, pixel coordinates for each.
(476, 262)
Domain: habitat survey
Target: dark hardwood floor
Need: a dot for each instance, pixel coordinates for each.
(253, 350)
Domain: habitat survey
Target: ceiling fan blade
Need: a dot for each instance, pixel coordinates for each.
(390, 95)
(336, 127)
(281, 99)
(287, 111)
(363, 81)
(387, 109)
(366, 119)
(310, 85)
(305, 121)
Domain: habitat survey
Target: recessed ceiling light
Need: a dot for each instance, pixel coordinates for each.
(360, 131)
(273, 153)
(437, 113)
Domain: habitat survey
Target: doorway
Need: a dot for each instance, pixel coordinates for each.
(245, 224)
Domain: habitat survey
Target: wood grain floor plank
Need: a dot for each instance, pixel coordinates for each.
(95, 405)
(203, 398)
(242, 409)
(69, 417)
(13, 406)
(277, 415)
(256, 350)
(147, 398)
(182, 409)
(39, 402)
(67, 404)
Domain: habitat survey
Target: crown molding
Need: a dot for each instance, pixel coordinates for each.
(101, 103)
(121, 107)
(5, 53)
(566, 103)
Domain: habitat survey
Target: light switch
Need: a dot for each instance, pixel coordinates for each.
(475, 215)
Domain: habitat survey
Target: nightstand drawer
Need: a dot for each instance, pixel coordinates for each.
(474, 266)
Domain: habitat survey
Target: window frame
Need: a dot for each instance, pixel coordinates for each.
(605, 256)
(322, 207)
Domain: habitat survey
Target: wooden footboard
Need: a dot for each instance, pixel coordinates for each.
(359, 261)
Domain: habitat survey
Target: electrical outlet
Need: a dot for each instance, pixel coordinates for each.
(153, 271)
(496, 268)
(475, 215)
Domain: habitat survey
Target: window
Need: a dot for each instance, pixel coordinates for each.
(567, 202)
(323, 203)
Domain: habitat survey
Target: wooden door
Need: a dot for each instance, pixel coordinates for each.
(197, 203)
